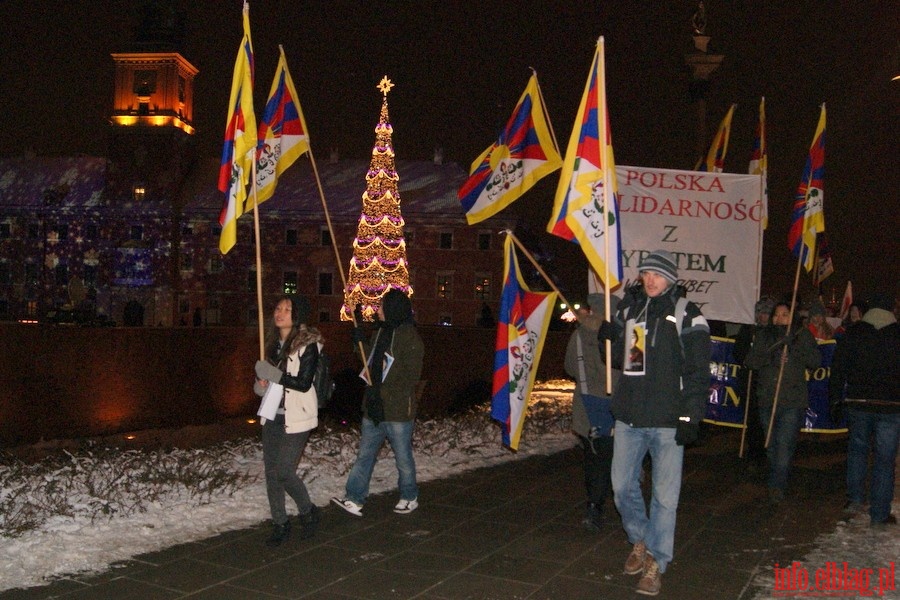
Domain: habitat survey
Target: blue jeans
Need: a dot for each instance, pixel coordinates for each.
(631, 444)
(281, 455)
(782, 442)
(881, 432)
(399, 434)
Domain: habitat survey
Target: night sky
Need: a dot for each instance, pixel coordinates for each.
(459, 68)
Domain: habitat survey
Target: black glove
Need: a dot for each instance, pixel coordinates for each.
(837, 411)
(267, 371)
(607, 332)
(374, 406)
(358, 335)
(687, 432)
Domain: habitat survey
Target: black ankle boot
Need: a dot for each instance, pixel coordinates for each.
(309, 522)
(280, 533)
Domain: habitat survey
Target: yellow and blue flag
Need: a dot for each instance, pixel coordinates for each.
(521, 328)
(524, 153)
(808, 216)
(587, 183)
(283, 136)
(239, 150)
(715, 157)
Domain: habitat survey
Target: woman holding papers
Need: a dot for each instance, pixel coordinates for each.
(292, 351)
(389, 405)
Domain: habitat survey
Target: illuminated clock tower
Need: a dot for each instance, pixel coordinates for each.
(151, 142)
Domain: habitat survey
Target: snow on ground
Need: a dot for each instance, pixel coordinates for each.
(67, 545)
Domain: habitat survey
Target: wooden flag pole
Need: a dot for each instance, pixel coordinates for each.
(259, 294)
(746, 413)
(784, 351)
(337, 257)
(603, 133)
(536, 266)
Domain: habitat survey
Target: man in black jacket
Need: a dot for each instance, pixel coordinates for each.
(865, 379)
(658, 406)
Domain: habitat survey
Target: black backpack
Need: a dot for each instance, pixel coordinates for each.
(322, 379)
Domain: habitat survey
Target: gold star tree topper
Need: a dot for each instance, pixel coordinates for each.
(385, 85)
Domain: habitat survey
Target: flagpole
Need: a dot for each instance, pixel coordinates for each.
(256, 235)
(601, 141)
(337, 256)
(746, 413)
(536, 266)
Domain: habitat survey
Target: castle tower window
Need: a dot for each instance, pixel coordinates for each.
(139, 192)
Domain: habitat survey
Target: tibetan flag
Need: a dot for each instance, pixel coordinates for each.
(240, 141)
(282, 132)
(587, 183)
(524, 153)
(759, 162)
(808, 216)
(846, 302)
(521, 328)
(715, 158)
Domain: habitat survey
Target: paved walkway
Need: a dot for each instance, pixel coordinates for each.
(506, 532)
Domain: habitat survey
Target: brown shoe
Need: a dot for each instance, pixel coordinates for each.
(651, 580)
(634, 564)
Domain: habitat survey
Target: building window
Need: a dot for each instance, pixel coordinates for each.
(482, 286)
(215, 265)
(251, 280)
(5, 231)
(446, 241)
(90, 232)
(445, 320)
(213, 313)
(484, 241)
(324, 237)
(31, 273)
(62, 274)
(324, 316)
(290, 237)
(326, 284)
(444, 285)
(90, 275)
(290, 282)
(136, 233)
(139, 192)
(34, 231)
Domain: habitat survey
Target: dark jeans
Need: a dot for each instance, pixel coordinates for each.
(783, 442)
(281, 455)
(879, 432)
(598, 453)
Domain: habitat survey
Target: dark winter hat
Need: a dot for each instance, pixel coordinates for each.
(598, 306)
(765, 305)
(661, 262)
(397, 307)
(817, 309)
(299, 309)
(882, 301)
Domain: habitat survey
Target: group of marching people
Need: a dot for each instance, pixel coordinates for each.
(394, 365)
(657, 403)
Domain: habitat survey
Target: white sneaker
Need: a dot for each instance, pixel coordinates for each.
(349, 505)
(404, 507)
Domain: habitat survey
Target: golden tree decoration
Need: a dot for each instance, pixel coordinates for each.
(379, 250)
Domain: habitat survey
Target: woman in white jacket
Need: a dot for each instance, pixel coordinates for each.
(292, 351)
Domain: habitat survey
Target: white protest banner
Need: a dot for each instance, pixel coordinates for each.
(710, 222)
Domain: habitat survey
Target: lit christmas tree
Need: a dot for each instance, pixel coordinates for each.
(379, 250)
